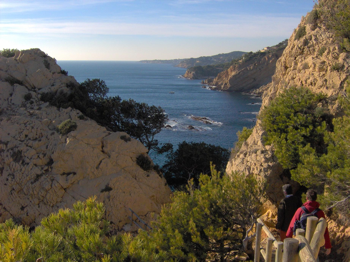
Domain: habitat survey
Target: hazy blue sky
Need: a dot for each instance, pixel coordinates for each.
(147, 29)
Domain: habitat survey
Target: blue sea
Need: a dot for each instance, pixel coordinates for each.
(163, 85)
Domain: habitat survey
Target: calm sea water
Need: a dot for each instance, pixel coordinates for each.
(163, 85)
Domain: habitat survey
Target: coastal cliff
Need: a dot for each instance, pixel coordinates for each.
(43, 169)
(313, 59)
(300, 65)
(199, 61)
(250, 72)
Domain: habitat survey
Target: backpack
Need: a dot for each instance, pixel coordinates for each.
(301, 223)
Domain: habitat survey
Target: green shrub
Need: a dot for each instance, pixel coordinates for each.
(312, 17)
(336, 15)
(77, 234)
(64, 72)
(190, 160)
(46, 64)
(329, 172)
(107, 188)
(291, 124)
(12, 81)
(210, 221)
(144, 162)
(138, 120)
(300, 33)
(67, 126)
(28, 96)
(322, 50)
(337, 67)
(242, 137)
(7, 52)
(345, 45)
(125, 138)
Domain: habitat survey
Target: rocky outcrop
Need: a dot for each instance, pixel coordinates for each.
(312, 61)
(204, 72)
(42, 170)
(192, 74)
(251, 72)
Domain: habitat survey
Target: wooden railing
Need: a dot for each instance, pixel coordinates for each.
(303, 248)
(140, 221)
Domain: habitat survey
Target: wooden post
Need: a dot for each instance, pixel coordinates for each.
(267, 231)
(279, 250)
(269, 249)
(305, 252)
(318, 237)
(310, 227)
(300, 232)
(257, 242)
(290, 252)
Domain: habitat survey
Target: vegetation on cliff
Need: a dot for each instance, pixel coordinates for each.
(336, 16)
(242, 136)
(139, 120)
(293, 120)
(8, 52)
(200, 61)
(213, 70)
(311, 144)
(209, 221)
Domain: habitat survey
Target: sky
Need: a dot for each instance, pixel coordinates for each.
(133, 30)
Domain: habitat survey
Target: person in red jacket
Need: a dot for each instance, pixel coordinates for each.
(311, 205)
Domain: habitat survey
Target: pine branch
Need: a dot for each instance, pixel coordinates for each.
(339, 202)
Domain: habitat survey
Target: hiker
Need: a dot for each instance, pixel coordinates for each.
(286, 210)
(311, 205)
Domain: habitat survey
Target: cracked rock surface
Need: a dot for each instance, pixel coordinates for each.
(42, 171)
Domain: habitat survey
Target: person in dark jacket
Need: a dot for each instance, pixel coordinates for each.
(286, 210)
(311, 205)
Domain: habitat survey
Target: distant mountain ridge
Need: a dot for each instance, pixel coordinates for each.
(247, 73)
(200, 61)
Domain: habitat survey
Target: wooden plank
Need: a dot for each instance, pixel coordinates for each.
(269, 249)
(305, 251)
(136, 223)
(300, 232)
(143, 222)
(310, 227)
(267, 231)
(290, 250)
(257, 242)
(279, 251)
(318, 237)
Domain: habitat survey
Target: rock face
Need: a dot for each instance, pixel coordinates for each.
(192, 74)
(309, 62)
(42, 171)
(251, 72)
(315, 61)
